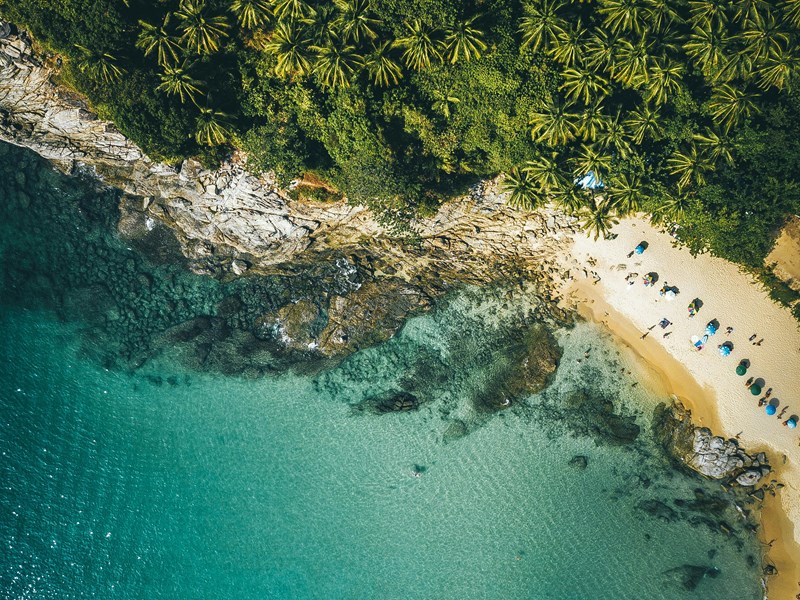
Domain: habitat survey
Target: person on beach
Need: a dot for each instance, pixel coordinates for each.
(749, 382)
(729, 330)
(752, 337)
(762, 401)
(758, 343)
(645, 335)
(769, 393)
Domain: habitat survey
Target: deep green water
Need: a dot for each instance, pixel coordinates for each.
(166, 482)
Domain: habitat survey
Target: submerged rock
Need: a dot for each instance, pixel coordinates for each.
(657, 509)
(390, 402)
(592, 414)
(579, 462)
(689, 576)
(522, 366)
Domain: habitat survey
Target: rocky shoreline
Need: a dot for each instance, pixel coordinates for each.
(228, 224)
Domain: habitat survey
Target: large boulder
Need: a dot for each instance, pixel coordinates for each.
(700, 450)
(369, 315)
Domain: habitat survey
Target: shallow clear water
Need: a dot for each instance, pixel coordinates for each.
(163, 482)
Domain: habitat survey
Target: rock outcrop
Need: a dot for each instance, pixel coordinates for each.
(229, 221)
(700, 450)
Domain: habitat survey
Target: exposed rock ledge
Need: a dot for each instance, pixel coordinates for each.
(700, 450)
(229, 221)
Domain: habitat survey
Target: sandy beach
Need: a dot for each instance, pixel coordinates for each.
(704, 380)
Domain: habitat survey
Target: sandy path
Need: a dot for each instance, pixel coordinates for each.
(726, 406)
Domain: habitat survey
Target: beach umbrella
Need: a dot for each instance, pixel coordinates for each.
(740, 369)
(755, 389)
(710, 329)
(725, 351)
(639, 249)
(791, 423)
(771, 409)
(670, 295)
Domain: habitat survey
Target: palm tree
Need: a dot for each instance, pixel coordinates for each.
(553, 126)
(463, 40)
(599, 49)
(616, 137)
(569, 197)
(546, 172)
(442, 102)
(290, 10)
(568, 50)
(630, 65)
(381, 67)
(583, 84)
(709, 14)
(251, 14)
(524, 192)
(690, 166)
(791, 12)
(779, 69)
(420, 49)
(623, 16)
(355, 20)
(336, 63)
(176, 81)
(736, 64)
(594, 122)
(213, 127)
(660, 15)
(643, 122)
(200, 31)
(717, 146)
(672, 209)
(592, 159)
(159, 40)
(664, 80)
(541, 25)
(289, 44)
(99, 65)
(749, 12)
(597, 217)
(729, 105)
(322, 23)
(626, 194)
(764, 37)
(706, 46)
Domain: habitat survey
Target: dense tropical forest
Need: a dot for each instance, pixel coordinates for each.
(687, 110)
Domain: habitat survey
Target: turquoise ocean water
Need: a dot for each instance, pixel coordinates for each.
(163, 481)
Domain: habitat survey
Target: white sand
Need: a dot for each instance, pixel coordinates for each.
(734, 299)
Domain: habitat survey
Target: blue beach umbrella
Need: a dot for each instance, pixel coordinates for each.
(724, 350)
(639, 249)
(771, 409)
(711, 329)
(791, 423)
